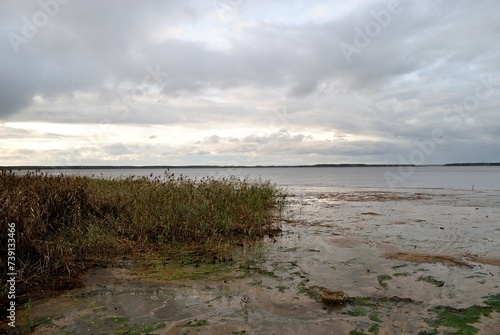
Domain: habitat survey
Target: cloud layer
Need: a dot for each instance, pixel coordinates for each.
(248, 82)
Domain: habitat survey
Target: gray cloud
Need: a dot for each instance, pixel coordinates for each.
(259, 66)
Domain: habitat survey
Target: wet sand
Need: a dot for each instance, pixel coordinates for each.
(396, 255)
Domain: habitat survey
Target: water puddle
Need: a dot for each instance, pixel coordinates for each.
(397, 258)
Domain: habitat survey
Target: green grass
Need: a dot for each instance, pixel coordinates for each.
(68, 223)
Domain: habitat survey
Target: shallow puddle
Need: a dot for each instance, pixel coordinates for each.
(396, 256)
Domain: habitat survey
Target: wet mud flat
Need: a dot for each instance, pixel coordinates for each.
(415, 262)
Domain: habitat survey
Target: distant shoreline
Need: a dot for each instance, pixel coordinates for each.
(103, 167)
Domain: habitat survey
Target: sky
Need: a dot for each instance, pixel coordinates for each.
(249, 82)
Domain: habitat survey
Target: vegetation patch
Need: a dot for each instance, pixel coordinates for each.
(158, 269)
(459, 319)
(379, 301)
(462, 319)
(493, 301)
(422, 258)
(314, 292)
(382, 280)
(357, 332)
(117, 320)
(401, 274)
(374, 329)
(68, 223)
(139, 329)
(194, 323)
(357, 311)
(374, 317)
(431, 280)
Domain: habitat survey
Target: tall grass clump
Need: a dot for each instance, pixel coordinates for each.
(67, 223)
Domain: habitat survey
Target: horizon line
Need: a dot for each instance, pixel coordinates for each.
(61, 167)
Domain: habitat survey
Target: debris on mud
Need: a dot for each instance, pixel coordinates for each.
(333, 297)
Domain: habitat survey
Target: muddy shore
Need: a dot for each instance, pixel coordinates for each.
(403, 259)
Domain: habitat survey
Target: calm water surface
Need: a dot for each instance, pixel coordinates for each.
(336, 178)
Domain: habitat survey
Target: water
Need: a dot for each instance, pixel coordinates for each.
(485, 178)
(343, 227)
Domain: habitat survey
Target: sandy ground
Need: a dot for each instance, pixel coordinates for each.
(399, 253)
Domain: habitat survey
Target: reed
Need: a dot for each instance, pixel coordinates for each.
(67, 223)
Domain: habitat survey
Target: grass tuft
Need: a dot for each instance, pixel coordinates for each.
(67, 223)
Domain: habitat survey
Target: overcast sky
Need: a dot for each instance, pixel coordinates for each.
(249, 82)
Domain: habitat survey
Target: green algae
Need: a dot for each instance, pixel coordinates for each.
(117, 320)
(349, 262)
(374, 329)
(357, 311)
(158, 269)
(374, 317)
(281, 288)
(459, 319)
(100, 309)
(431, 280)
(357, 332)
(401, 274)
(379, 301)
(428, 332)
(493, 301)
(462, 319)
(194, 323)
(140, 329)
(314, 292)
(382, 280)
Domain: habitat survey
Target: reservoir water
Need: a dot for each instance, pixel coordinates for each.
(335, 178)
(407, 254)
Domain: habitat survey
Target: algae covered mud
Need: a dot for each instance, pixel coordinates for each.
(416, 260)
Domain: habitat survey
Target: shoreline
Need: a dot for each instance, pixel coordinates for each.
(58, 226)
(166, 167)
(337, 242)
